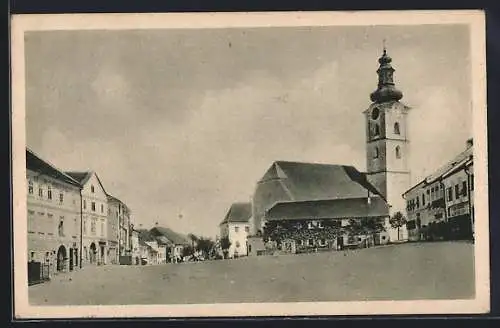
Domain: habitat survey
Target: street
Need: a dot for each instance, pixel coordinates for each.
(409, 271)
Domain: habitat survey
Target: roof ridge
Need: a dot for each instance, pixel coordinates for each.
(52, 165)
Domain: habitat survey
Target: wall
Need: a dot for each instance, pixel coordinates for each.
(94, 221)
(52, 223)
(266, 194)
(238, 233)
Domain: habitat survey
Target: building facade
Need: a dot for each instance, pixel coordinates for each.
(441, 205)
(236, 227)
(334, 224)
(54, 216)
(387, 152)
(118, 231)
(134, 245)
(298, 192)
(94, 218)
(173, 242)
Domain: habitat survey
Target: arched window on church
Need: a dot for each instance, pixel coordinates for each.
(375, 152)
(398, 152)
(396, 128)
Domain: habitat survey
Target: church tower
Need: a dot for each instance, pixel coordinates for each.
(386, 138)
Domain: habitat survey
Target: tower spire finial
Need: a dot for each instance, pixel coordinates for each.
(386, 91)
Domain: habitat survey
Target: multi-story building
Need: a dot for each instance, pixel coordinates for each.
(173, 242)
(236, 227)
(459, 185)
(54, 215)
(441, 205)
(94, 217)
(134, 246)
(118, 230)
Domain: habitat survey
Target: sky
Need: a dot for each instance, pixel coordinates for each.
(186, 121)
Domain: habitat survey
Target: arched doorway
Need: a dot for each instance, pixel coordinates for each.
(93, 253)
(61, 258)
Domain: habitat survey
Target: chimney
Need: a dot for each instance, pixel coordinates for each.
(469, 143)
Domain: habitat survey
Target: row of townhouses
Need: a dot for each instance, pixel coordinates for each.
(442, 205)
(74, 221)
(301, 207)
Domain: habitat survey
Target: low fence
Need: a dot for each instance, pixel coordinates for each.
(38, 272)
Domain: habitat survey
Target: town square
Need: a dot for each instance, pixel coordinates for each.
(404, 272)
(250, 165)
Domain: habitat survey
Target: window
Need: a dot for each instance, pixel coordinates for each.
(376, 130)
(398, 152)
(92, 226)
(450, 194)
(396, 128)
(102, 228)
(40, 191)
(418, 202)
(237, 244)
(464, 188)
(93, 206)
(375, 152)
(310, 242)
(247, 229)
(449, 211)
(84, 227)
(457, 191)
(61, 198)
(84, 204)
(322, 242)
(92, 188)
(472, 182)
(102, 208)
(236, 229)
(60, 228)
(423, 199)
(30, 187)
(49, 192)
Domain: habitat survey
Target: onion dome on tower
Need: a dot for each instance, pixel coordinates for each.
(386, 91)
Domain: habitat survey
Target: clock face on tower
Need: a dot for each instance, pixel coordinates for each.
(375, 113)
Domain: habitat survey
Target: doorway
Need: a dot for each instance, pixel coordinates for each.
(93, 253)
(71, 255)
(61, 258)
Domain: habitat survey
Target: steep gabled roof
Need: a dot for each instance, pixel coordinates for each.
(238, 213)
(81, 177)
(36, 164)
(146, 235)
(329, 209)
(174, 237)
(312, 181)
(84, 176)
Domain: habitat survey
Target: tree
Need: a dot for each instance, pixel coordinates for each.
(397, 221)
(225, 243)
(194, 239)
(187, 250)
(205, 246)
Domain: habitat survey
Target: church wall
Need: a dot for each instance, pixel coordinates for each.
(266, 194)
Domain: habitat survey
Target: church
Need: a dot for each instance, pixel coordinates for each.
(308, 206)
